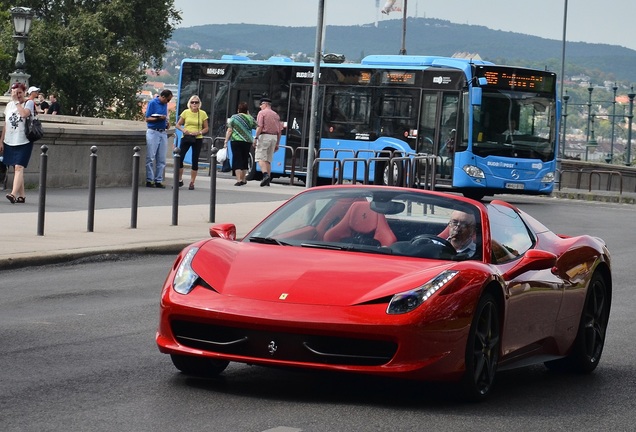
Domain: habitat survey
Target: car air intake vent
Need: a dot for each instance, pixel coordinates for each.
(282, 346)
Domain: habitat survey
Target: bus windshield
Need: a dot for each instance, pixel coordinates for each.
(514, 124)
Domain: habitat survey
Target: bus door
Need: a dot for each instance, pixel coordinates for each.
(215, 102)
(437, 132)
(298, 126)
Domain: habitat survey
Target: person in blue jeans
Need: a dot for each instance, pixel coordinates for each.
(157, 138)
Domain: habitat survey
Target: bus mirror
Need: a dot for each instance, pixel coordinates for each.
(482, 81)
(476, 96)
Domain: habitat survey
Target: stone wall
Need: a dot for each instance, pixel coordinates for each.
(69, 141)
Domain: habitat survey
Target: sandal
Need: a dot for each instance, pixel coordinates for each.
(191, 187)
(11, 198)
(20, 200)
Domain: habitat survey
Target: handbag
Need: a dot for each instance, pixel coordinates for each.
(192, 139)
(221, 155)
(33, 128)
(226, 167)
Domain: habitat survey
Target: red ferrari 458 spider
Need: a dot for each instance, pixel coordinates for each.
(389, 281)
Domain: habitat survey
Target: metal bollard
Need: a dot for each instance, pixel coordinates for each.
(91, 189)
(42, 189)
(135, 187)
(175, 185)
(213, 184)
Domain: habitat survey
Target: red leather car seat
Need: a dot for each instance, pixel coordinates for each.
(361, 219)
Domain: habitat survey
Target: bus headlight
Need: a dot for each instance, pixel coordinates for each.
(473, 171)
(548, 178)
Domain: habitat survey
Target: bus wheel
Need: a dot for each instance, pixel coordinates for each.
(398, 174)
(252, 174)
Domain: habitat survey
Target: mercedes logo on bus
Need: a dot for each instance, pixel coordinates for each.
(514, 174)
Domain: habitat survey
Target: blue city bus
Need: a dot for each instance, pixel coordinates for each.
(490, 128)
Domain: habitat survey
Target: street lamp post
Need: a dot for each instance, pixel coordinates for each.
(566, 98)
(21, 18)
(403, 48)
(314, 96)
(611, 155)
(630, 117)
(590, 89)
(592, 141)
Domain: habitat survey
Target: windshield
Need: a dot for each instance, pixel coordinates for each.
(514, 124)
(375, 220)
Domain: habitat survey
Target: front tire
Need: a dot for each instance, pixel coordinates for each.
(198, 366)
(482, 350)
(590, 339)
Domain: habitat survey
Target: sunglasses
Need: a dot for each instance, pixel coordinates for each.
(195, 102)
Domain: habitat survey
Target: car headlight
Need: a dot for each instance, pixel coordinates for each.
(474, 171)
(548, 178)
(405, 302)
(185, 277)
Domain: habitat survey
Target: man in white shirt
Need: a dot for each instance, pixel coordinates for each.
(461, 232)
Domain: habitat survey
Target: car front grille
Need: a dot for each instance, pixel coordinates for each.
(283, 346)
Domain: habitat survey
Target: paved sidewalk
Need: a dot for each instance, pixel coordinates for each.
(66, 235)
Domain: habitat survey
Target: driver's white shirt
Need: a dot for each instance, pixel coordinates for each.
(469, 248)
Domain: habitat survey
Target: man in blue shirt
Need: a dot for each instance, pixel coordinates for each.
(157, 138)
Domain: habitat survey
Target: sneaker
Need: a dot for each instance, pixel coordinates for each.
(191, 187)
(265, 181)
(150, 184)
(180, 183)
(159, 186)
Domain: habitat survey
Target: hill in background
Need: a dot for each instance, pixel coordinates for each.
(424, 36)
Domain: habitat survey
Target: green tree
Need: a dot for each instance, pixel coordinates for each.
(7, 51)
(94, 53)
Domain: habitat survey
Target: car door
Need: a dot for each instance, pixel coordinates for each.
(533, 297)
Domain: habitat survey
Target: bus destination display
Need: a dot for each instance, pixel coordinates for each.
(398, 77)
(520, 80)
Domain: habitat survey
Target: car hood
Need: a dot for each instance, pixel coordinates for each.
(308, 275)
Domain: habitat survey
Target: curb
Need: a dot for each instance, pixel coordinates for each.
(595, 196)
(98, 254)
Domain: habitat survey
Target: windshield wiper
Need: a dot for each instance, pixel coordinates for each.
(322, 246)
(350, 247)
(268, 240)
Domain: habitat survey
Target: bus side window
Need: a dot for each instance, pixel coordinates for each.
(346, 112)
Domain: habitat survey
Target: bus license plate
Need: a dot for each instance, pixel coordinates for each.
(516, 186)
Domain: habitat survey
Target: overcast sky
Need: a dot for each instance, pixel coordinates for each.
(606, 21)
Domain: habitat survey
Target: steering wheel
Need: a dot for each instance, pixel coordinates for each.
(423, 239)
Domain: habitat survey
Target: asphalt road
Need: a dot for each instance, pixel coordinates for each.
(78, 354)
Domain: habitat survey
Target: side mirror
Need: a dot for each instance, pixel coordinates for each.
(532, 260)
(476, 96)
(223, 230)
